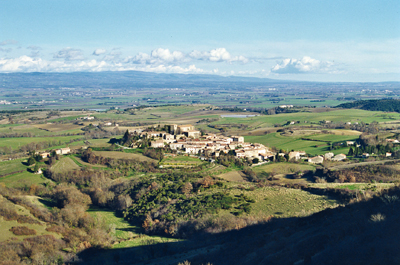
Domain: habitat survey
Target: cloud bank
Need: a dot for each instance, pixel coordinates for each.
(301, 66)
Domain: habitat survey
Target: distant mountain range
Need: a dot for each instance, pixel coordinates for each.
(126, 79)
(137, 79)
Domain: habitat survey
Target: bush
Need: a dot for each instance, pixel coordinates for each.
(22, 231)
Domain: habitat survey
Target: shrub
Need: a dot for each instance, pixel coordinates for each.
(22, 231)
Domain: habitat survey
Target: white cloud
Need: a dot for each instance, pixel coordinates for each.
(217, 55)
(69, 54)
(28, 64)
(166, 55)
(157, 56)
(8, 42)
(98, 52)
(304, 65)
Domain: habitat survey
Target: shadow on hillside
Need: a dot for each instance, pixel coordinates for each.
(360, 233)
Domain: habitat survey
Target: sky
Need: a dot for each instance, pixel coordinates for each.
(333, 41)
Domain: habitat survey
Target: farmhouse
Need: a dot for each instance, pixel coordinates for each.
(45, 154)
(65, 150)
(296, 155)
(328, 156)
(316, 160)
(339, 157)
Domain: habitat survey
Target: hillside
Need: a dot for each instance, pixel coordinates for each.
(390, 105)
(360, 233)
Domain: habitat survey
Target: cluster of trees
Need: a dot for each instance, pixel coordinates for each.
(368, 173)
(78, 229)
(167, 200)
(378, 149)
(230, 159)
(390, 105)
(157, 154)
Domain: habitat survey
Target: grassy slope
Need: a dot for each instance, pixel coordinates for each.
(127, 235)
(5, 226)
(283, 168)
(63, 165)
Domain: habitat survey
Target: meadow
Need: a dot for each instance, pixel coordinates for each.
(288, 143)
(17, 142)
(126, 234)
(63, 165)
(283, 168)
(309, 118)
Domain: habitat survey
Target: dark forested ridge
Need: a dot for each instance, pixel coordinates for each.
(391, 105)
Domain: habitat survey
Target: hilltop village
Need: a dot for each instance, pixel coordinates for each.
(186, 139)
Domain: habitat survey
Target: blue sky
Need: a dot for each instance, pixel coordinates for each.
(298, 40)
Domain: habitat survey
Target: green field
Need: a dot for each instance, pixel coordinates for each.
(283, 168)
(18, 142)
(289, 143)
(127, 235)
(63, 165)
(20, 179)
(123, 155)
(282, 202)
(307, 118)
(181, 160)
(12, 166)
(25, 179)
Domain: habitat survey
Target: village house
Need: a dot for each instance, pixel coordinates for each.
(65, 150)
(184, 128)
(316, 160)
(45, 154)
(157, 144)
(328, 156)
(296, 155)
(238, 139)
(339, 157)
(192, 134)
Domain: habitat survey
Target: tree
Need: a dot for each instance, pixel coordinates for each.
(31, 161)
(351, 152)
(37, 168)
